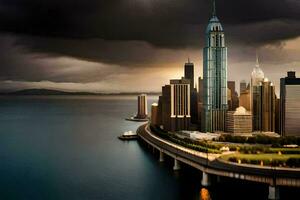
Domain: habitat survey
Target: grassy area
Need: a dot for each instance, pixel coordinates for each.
(289, 160)
(214, 147)
(260, 139)
(256, 154)
(262, 156)
(285, 150)
(195, 145)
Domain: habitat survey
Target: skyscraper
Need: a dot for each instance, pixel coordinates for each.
(234, 103)
(257, 76)
(189, 75)
(200, 89)
(215, 77)
(245, 99)
(243, 86)
(155, 118)
(264, 105)
(290, 105)
(200, 101)
(176, 105)
(142, 106)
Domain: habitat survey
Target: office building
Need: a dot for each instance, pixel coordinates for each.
(257, 76)
(264, 104)
(277, 115)
(200, 89)
(229, 100)
(239, 121)
(142, 107)
(155, 114)
(189, 75)
(194, 106)
(166, 107)
(233, 104)
(200, 100)
(290, 105)
(214, 77)
(176, 105)
(243, 86)
(244, 100)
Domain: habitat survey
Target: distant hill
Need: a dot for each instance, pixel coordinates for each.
(58, 92)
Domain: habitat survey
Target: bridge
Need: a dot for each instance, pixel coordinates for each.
(210, 164)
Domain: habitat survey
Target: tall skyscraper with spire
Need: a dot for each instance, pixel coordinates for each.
(214, 76)
(257, 77)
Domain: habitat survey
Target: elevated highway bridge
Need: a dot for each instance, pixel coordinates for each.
(211, 164)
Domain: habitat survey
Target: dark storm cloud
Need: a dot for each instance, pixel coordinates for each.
(165, 23)
(41, 37)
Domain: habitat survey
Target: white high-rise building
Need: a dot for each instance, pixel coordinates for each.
(257, 76)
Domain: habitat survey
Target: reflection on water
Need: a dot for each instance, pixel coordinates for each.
(204, 194)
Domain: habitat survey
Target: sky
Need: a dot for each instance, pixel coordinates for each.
(138, 45)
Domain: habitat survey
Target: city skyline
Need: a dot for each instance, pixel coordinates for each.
(85, 52)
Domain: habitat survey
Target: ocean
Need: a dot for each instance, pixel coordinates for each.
(66, 147)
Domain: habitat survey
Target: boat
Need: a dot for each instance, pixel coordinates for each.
(135, 119)
(128, 135)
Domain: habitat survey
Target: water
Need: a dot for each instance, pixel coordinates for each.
(67, 148)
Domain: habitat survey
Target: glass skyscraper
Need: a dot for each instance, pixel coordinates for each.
(214, 77)
(290, 105)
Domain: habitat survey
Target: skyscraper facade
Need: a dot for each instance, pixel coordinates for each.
(155, 118)
(257, 77)
(214, 77)
(176, 105)
(290, 105)
(234, 103)
(142, 106)
(200, 101)
(264, 105)
(243, 86)
(189, 75)
(239, 121)
(245, 99)
(200, 89)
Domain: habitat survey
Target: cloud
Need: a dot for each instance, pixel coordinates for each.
(167, 24)
(134, 44)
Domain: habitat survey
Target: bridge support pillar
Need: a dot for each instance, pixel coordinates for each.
(205, 179)
(161, 156)
(273, 193)
(176, 165)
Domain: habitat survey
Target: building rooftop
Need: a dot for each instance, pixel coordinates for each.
(180, 81)
(257, 72)
(214, 25)
(241, 111)
(291, 79)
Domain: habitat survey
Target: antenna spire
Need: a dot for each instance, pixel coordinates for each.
(214, 13)
(257, 60)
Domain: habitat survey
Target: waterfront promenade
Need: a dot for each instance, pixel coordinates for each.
(212, 165)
